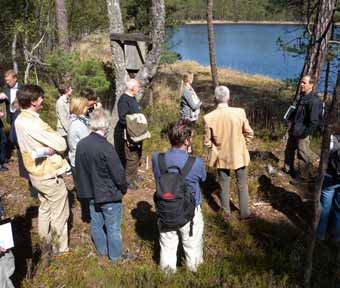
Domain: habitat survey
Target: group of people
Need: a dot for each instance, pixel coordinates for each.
(103, 172)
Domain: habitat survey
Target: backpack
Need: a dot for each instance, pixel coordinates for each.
(175, 203)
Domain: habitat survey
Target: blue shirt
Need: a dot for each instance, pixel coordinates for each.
(178, 157)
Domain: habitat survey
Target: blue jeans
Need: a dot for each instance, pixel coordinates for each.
(110, 215)
(330, 206)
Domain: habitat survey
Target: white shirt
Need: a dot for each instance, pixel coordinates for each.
(13, 93)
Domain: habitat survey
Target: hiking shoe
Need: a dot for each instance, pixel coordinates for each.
(251, 216)
(3, 168)
(226, 216)
(299, 181)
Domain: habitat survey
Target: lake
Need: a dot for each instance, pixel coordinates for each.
(250, 48)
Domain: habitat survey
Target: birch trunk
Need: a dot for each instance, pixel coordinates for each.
(14, 53)
(149, 69)
(118, 60)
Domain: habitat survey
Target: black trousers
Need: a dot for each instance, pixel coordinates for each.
(3, 146)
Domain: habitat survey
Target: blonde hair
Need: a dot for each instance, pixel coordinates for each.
(186, 77)
(78, 105)
(10, 72)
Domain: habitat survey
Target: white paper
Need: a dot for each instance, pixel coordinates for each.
(6, 236)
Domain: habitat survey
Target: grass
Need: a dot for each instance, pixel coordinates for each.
(265, 253)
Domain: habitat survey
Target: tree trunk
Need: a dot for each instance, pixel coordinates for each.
(330, 121)
(14, 53)
(62, 24)
(149, 69)
(318, 44)
(118, 59)
(211, 40)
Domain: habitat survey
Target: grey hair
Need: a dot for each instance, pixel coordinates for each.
(222, 94)
(132, 83)
(99, 120)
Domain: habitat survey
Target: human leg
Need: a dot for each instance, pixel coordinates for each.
(97, 229)
(336, 205)
(44, 214)
(326, 200)
(58, 201)
(7, 268)
(303, 156)
(242, 188)
(224, 182)
(3, 149)
(133, 155)
(193, 245)
(291, 146)
(113, 217)
(168, 256)
(53, 211)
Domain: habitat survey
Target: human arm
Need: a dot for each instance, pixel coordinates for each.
(116, 169)
(123, 109)
(191, 98)
(315, 110)
(63, 114)
(45, 135)
(155, 167)
(207, 135)
(247, 131)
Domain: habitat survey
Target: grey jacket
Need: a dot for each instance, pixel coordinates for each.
(190, 104)
(78, 129)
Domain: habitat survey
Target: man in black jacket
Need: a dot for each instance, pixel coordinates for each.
(304, 121)
(129, 152)
(101, 179)
(10, 90)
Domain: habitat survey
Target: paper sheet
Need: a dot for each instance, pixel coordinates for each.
(6, 236)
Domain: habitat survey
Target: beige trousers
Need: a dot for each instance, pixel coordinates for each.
(53, 212)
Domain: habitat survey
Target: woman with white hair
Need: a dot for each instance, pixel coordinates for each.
(101, 180)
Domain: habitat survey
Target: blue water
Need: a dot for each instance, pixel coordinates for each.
(249, 48)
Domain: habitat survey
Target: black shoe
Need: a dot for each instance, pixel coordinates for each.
(299, 181)
(3, 168)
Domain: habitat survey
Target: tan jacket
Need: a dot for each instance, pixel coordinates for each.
(34, 134)
(227, 132)
(63, 115)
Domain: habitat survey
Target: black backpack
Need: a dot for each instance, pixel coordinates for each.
(175, 203)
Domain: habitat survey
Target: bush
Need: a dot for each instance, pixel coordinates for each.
(84, 73)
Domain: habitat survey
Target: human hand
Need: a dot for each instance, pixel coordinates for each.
(2, 114)
(3, 96)
(50, 151)
(2, 250)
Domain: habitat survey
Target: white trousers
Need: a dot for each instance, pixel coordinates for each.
(6, 269)
(193, 246)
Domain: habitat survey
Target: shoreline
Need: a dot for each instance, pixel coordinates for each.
(201, 22)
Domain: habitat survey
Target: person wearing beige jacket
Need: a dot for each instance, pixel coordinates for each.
(41, 149)
(227, 133)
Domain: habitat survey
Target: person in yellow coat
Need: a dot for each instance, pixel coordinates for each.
(227, 133)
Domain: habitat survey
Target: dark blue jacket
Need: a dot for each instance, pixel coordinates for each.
(99, 172)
